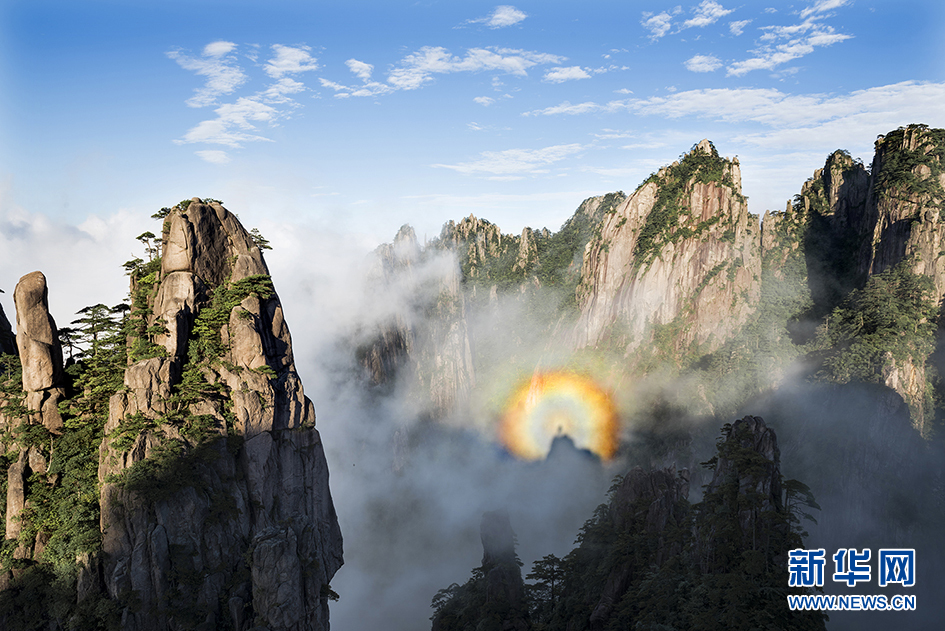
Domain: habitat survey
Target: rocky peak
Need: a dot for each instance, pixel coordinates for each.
(527, 251)
(906, 203)
(477, 242)
(505, 590)
(749, 466)
(498, 540)
(405, 247)
(205, 239)
(211, 462)
(682, 249)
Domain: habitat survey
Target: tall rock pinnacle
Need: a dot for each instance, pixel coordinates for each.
(215, 501)
(40, 353)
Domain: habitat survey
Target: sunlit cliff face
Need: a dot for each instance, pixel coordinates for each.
(556, 403)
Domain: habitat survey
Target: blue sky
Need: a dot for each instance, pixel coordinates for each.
(352, 118)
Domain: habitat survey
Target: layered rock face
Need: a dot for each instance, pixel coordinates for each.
(852, 223)
(425, 341)
(681, 250)
(215, 505)
(905, 203)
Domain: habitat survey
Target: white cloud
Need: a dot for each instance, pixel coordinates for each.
(68, 255)
(611, 134)
(218, 66)
(738, 27)
(337, 87)
(218, 49)
(822, 6)
(703, 63)
(360, 69)
(214, 156)
(708, 12)
(503, 16)
(484, 100)
(418, 68)
(233, 125)
(566, 108)
(363, 71)
(560, 75)
(787, 43)
(515, 162)
(789, 118)
(236, 122)
(658, 25)
(289, 60)
(276, 93)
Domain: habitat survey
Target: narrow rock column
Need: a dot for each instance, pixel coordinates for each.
(40, 352)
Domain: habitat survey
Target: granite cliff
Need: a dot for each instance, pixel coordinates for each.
(214, 509)
(680, 252)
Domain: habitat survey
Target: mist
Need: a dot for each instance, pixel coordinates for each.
(409, 489)
(410, 480)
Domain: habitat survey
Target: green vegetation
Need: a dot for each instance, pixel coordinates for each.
(898, 171)
(893, 317)
(455, 607)
(702, 570)
(62, 509)
(662, 225)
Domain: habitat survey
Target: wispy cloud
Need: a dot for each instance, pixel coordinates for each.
(738, 27)
(237, 122)
(290, 60)
(708, 12)
(418, 68)
(783, 44)
(484, 100)
(822, 6)
(503, 16)
(213, 156)
(360, 69)
(705, 13)
(703, 63)
(514, 162)
(567, 108)
(659, 24)
(277, 92)
(218, 65)
(560, 75)
(789, 119)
